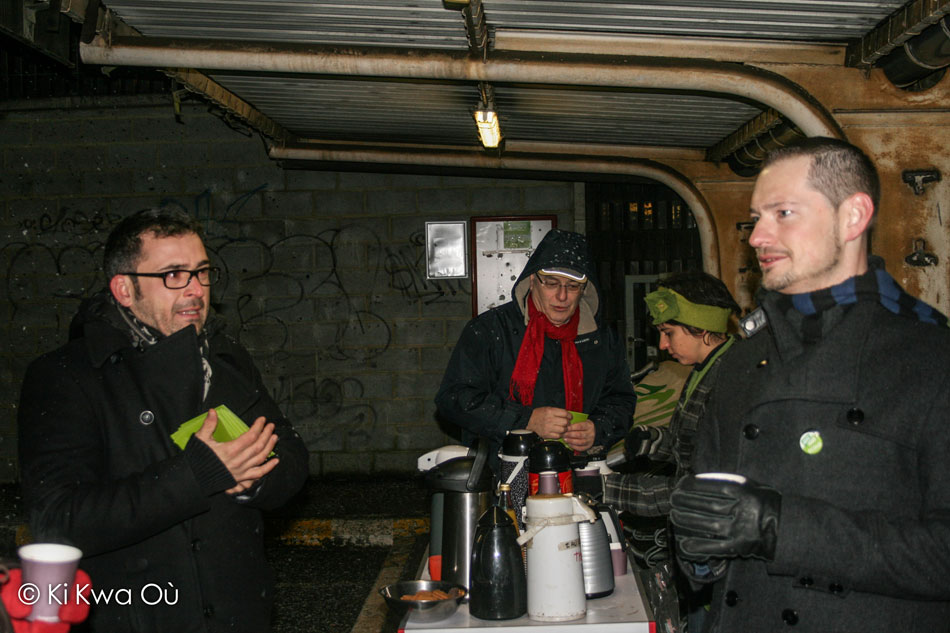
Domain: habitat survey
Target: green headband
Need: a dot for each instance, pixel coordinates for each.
(668, 305)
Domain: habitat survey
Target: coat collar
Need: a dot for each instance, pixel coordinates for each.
(825, 371)
(98, 325)
(103, 341)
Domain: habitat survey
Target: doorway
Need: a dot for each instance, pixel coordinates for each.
(639, 232)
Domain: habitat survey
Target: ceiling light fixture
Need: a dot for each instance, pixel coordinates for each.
(486, 117)
(488, 129)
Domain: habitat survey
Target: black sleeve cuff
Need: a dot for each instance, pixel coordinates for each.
(212, 475)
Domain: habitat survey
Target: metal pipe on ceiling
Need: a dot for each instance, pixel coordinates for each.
(644, 168)
(747, 82)
(920, 56)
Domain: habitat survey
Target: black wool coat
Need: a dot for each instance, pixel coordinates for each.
(864, 532)
(99, 471)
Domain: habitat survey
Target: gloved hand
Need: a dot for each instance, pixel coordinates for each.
(73, 612)
(724, 519)
(643, 441)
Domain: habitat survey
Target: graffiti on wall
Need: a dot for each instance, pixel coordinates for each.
(276, 290)
(406, 267)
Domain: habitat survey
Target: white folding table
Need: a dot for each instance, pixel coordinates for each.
(623, 611)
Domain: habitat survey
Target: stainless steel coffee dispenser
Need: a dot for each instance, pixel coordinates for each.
(465, 485)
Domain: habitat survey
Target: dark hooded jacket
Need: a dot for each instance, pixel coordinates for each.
(99, 471)
(475, 388)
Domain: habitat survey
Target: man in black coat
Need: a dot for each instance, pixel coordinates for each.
(529, 362)
(823, 499)
(171, 537)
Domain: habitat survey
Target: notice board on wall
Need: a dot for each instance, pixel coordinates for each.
(500, 248)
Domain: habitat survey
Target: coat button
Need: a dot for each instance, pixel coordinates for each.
(750, 431)
(855, 416)
(835, 588)
(732, 598)
(790, 617)
(209, 611)
(196, 545)
(146, 417)
(806, 581)
(763, 363)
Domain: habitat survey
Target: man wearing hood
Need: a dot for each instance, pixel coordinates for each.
(171, 537)
(530, 362)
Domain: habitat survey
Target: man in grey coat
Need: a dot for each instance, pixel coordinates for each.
(823, 499)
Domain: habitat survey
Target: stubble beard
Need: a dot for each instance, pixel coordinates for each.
(791, 277)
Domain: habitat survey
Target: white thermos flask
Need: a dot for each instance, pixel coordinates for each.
(555, 570)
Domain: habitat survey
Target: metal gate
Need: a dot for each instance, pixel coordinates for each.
(638, 232)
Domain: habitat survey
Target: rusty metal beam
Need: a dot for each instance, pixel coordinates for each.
(476, 28)
(74, 9)
(749, 131)
(694, 47)
(202, 84)
(904, 24)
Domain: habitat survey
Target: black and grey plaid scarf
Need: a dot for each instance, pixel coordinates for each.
(874, 285)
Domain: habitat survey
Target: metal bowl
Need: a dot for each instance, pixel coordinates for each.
(423, 610)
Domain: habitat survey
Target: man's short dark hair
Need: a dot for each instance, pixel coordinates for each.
(124, 244)
(838, 168)
(702, 288)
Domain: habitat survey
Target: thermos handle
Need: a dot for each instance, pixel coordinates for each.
(565, 519)
(481, 456)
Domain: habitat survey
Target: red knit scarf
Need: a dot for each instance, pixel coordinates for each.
(525, 374)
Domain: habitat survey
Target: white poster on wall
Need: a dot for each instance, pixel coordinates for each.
(500, 249)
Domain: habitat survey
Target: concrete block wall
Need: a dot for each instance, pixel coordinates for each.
(324, 272)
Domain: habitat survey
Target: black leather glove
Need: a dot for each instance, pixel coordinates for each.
(592, 485)
(724, 519)
(643, 441)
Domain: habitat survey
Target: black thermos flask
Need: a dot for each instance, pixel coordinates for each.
(498, 589)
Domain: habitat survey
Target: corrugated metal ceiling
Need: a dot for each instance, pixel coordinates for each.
(376, 111)
(426, 23)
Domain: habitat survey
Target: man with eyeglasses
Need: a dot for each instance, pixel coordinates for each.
(530, 362)
(100, 471)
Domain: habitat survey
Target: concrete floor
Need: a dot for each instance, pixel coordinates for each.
(332, 547)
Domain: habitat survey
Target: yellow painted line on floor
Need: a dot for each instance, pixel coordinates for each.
(365, 532)
(374, 614)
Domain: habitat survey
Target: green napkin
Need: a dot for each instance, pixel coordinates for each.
(229, 427)
(576, 416)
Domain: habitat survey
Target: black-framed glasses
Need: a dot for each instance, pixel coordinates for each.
(554, 285)
(179, 278)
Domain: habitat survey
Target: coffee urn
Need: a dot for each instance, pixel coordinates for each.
(465, 485)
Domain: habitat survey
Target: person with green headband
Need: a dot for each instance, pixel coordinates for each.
(691, 311)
